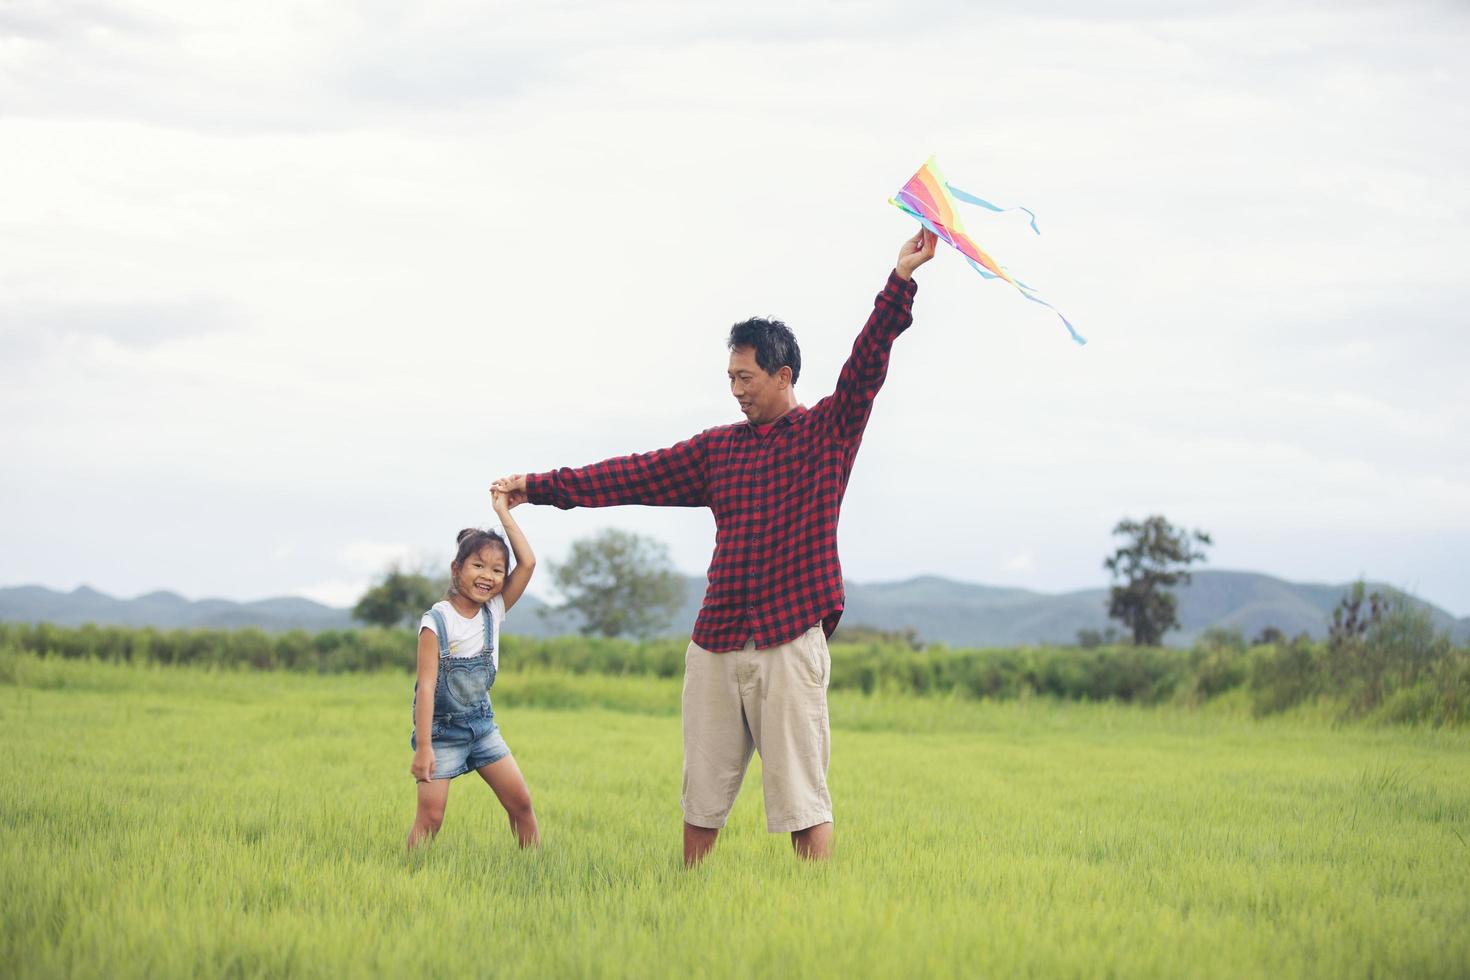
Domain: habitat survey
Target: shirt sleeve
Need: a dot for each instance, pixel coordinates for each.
(673, 477)
(847, 409)
(427, 623)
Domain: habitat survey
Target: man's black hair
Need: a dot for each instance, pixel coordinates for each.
(774, 344)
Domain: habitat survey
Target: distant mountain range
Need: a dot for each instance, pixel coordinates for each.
(960, 614)
(166, 610)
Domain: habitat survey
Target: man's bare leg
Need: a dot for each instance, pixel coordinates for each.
(814, 843)
(698, 841)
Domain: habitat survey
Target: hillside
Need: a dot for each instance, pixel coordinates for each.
(972, 615)
(938, 609)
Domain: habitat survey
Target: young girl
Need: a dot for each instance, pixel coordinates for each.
(459, 653)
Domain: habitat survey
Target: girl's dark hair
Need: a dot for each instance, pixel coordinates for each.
(471, 540)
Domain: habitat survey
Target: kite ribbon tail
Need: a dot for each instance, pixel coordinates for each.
(969, 198)
(1026, 292)
(1065, 322)
(979, 268)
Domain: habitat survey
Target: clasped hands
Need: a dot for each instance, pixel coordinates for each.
(512, 489)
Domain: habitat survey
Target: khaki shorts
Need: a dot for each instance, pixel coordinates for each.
(773, 702)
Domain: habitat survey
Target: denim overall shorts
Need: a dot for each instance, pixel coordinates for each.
(464, 734)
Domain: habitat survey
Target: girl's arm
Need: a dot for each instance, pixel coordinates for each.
(516, 581)
(423, 711)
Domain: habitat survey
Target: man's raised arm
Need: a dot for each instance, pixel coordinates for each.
(673, 477)
(862, 376)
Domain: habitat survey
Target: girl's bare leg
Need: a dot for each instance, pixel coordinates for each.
(430, 817)
(505, 778)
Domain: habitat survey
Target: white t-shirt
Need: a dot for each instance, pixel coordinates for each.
(467, 636)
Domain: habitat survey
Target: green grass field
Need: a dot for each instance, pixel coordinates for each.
(174, 821)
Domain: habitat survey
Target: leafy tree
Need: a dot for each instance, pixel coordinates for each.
(1350, 621)
(1157, 556)
(619, 584)
(1390, 645)
(399, 599)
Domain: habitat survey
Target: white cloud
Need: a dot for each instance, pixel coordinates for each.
(1022, 562)
(342, 593)
(376, 556)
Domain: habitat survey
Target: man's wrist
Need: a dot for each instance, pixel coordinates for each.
(901, 284)
(532, 485)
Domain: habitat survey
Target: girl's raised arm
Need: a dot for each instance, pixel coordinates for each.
(515, 582)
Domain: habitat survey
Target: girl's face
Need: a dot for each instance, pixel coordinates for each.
(482, 575)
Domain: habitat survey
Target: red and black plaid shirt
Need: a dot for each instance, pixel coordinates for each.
(775, 498)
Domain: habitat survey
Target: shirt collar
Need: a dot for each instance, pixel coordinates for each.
(786, 419)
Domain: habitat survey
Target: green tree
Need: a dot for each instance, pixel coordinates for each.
(399, 599)
(1372, 652)
(1350, 621)
(619, 584)
(1157, 555)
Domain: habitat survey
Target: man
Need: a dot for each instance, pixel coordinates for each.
(757, 667)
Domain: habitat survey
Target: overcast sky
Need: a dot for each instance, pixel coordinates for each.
(284, 286)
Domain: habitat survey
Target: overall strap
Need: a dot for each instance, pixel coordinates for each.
(442, 631)
(489, 628)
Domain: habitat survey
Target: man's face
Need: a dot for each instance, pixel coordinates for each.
(762, 396)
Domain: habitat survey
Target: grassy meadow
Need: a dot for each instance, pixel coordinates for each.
(171, 821)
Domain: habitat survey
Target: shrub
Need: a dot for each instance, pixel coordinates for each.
(1285, 675)
(1394, 651)
(1221, 638)
(1216, 671)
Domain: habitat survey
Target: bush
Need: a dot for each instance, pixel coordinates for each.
(1216, 671)
(1285, 675)
(1221, 638)
(330, 651)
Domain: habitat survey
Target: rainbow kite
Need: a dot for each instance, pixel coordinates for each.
(930, 198)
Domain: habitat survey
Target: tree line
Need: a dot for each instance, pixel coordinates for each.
(617, 583)
(1397, 669)
(1382, 657)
